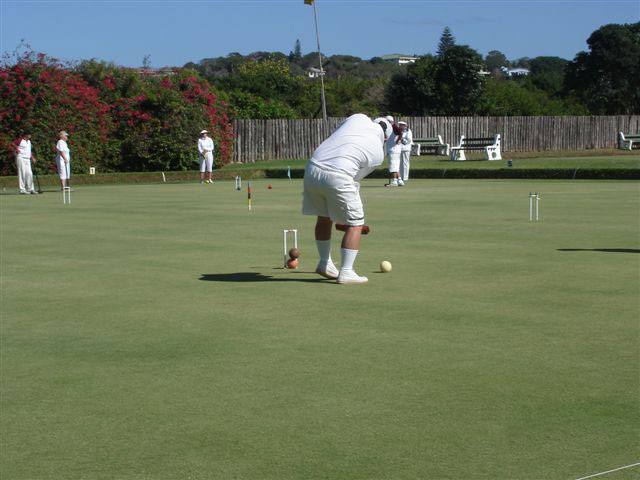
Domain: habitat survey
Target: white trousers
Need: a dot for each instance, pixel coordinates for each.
(64, 169)
(404, 165)
(206, 162)
(394, 162)
(25, 175)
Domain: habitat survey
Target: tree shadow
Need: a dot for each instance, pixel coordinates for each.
(610, 250)
(243, 277)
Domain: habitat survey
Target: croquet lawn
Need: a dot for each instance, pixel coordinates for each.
(150, 332)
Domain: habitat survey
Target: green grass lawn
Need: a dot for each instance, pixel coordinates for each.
(149, 332)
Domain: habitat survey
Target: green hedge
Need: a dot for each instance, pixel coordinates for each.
(228, 174)
(533, 173)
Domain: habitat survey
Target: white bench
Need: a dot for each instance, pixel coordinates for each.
(490, 146)
(431, 143)
(626, 141)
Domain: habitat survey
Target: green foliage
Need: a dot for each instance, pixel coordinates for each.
(507, 97)
(494, 60)
(445, 85)
(607, 78)
(447, 40)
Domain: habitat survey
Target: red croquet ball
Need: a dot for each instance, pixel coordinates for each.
(269, 187)
(292, 263)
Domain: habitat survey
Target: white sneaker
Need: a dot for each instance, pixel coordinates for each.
(400, 183)
(390, 184)
(327, 270)
(350, 276)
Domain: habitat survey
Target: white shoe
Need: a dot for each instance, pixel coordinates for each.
(350, 276)
(327, 270)
(400, 183)
(390, 184)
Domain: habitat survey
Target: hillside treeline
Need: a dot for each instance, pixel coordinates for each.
(456, 80)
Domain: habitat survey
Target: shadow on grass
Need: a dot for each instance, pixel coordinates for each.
(255, 277)
(610, 250)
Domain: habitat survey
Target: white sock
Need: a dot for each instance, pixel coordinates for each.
(348, 257)
(324, 250)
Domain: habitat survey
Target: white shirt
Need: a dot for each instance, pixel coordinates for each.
(62, 146)
(24, 149)
(355, 149)
(392, 146)
(205, 145)
(407, 140)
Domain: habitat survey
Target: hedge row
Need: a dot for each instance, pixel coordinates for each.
(524, 173)
(228, 174)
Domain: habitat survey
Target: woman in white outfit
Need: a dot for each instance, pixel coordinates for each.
(24, 157)
(407, 140)
(63, 159)
(394, 149)
(205, 151)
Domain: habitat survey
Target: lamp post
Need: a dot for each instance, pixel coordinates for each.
(315, 17)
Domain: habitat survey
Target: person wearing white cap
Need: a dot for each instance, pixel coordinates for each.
(63, 158)
(24, 157)
(332, 189)
(205, 153)
(407, 140)
(394, 149)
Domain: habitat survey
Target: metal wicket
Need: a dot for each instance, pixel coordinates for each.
(238, 183)
(284, 243)
(534, 209)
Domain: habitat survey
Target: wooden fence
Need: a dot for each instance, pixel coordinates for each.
(258, 140)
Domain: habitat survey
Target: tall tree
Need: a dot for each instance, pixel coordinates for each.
(495, 59)
(296, 54)
(447, 40)
(607, 78)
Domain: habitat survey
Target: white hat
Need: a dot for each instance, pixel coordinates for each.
(386, 126)
(389, 118)
(203, 131)
(402, 123)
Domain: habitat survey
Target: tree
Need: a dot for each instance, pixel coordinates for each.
(447, 40)
(446, 85)
(494, 60)
(459, 84)
(296, 55)
(607, 78)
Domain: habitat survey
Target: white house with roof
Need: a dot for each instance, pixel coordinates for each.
(399, 58)
(515, 72)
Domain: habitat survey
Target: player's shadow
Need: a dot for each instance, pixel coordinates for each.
(243, 277)
(610, 250)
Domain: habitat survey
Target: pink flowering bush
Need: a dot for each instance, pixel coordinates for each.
(38, 95)
(118, 119)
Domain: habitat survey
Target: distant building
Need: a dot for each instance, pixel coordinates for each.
(515, 72)
(315, 72)
(399, 58)
(484, 73)
(156, 72)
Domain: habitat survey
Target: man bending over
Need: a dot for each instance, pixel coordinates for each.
(332, 189)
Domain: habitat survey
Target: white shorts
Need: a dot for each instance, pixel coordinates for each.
(333, 195)
(394, 162)
(62, 170)
(206, 162)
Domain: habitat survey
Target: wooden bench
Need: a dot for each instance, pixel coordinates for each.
(433, 143)
(626, 141)
(490, 146)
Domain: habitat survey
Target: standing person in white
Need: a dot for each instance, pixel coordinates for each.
(394, 149)
(63, 159)
(24, 157)
(332, 189)
(205, 152)
(405, 153)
